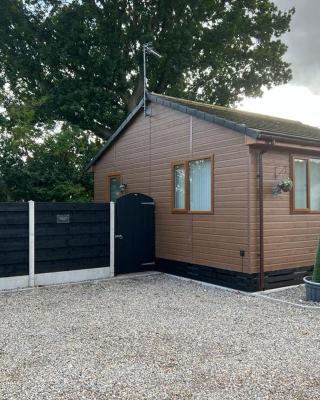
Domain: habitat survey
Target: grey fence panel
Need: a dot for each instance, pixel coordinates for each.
(14, 240)
(71, 236)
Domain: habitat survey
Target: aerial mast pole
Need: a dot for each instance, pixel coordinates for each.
(144, 81)
(147, 48)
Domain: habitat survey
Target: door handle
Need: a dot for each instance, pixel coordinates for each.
(118, 236)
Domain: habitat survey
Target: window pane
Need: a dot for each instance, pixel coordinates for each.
(300, 184)
(315, 184)
(179, 185)
(114, 188)
(200, 185)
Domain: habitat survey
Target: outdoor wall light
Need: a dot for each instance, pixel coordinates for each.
(123, 187)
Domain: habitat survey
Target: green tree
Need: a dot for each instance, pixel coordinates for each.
(80, 61)
(50, 167)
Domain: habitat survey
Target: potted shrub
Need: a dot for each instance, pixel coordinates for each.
(312, 283)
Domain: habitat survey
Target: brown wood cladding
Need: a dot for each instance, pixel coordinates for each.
(290, 239)
(144, 155)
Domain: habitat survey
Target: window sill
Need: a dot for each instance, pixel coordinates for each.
(179, 211)
(192, 212)
(297, 212)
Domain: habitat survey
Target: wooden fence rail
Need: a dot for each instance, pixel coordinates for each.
(43, 243)
(14, 239)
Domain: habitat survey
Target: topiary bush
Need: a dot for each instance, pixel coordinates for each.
(316, 269)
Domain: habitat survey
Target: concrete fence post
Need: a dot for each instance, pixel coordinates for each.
(112, 227)
(31, 243)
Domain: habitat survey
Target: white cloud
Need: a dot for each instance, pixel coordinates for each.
(287, 101)
(303, 42)
(300, 99)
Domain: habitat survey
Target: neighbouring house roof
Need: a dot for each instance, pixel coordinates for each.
(255, 125)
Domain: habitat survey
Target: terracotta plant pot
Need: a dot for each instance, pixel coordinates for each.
(312, 289)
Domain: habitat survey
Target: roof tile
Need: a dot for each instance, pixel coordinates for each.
(264, 123)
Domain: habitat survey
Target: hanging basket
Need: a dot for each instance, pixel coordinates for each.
(283, 186)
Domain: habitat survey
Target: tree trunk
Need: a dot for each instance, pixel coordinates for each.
(101, 132)
(137, 94)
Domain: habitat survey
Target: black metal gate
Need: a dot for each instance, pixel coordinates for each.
(134, 233)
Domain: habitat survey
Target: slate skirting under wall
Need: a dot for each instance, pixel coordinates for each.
(234, 279)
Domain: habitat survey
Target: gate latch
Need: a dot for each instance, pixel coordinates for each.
(118, 236)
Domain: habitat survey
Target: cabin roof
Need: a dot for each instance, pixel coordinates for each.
(251, 124)
(256, 121)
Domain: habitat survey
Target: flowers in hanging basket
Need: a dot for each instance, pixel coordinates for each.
(283, 186)
(286, 185)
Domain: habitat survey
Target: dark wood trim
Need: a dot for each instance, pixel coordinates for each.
(173, 191)
(292, 176)
(187, 210)
(308, 186)
(205, 212)
(108, 177)
(201, 212)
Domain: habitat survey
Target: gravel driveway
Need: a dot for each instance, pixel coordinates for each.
(155, 337)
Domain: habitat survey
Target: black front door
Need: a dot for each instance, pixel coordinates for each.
(134, 233)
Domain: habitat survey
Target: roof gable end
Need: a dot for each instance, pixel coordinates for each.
(255, 125)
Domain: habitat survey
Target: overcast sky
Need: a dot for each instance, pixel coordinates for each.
(299, 99)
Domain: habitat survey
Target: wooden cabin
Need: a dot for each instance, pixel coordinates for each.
(212, 172)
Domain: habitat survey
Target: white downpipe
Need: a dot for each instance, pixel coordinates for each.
(31, 243)
(112, 227)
